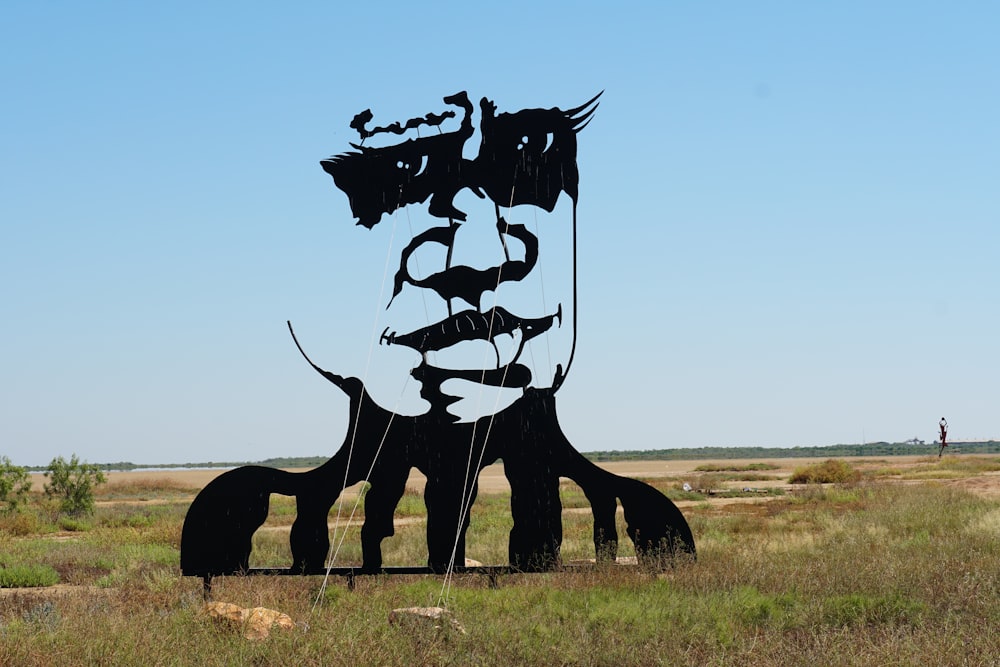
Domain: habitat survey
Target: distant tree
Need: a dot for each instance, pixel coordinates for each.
(15, 483)
(73, 484)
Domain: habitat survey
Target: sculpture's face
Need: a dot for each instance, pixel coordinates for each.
(473, 313)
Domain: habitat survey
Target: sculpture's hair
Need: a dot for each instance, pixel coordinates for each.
(365, 117)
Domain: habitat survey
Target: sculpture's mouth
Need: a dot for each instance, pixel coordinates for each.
(471, 325)
(510, 375)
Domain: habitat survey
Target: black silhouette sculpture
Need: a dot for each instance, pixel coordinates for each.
(943, 427)
(526, 158)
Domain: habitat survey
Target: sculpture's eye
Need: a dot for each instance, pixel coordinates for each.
(413, 166)
(535, 144)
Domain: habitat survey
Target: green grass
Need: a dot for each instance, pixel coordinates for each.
(24, 576)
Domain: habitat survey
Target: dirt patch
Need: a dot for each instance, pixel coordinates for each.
(986, 485)
(61, 536)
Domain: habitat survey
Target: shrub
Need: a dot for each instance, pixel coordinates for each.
(831, 471)
(27, 576)
(73, 484)
(21, 523)
(73, 524)
(15, 483)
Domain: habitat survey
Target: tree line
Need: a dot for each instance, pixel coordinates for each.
(828, 451)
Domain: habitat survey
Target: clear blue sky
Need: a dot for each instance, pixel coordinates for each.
(789, 215)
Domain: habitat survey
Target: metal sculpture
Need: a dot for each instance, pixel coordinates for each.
(526, 162)
(943, 427)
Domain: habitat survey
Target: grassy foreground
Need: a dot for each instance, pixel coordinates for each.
(875, 572)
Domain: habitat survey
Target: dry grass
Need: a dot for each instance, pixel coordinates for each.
(736, 467)
(144, 488)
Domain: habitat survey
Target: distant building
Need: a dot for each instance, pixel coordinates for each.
(914, 441)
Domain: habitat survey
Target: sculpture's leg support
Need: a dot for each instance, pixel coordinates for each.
(535, 507)
(657, 528)
(598, 487)
(310, 535)
(449, 495)
(388, 485)
(604, 508)
(217, 536)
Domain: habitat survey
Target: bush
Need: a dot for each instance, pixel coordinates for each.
(831, 471)
(73, 484)
(74, 524)
(21, 523)
(28, 576)
(15, 484)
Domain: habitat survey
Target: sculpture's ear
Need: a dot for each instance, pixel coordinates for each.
(351, 386)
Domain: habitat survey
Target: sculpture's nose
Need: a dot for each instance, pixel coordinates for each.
(465, 260)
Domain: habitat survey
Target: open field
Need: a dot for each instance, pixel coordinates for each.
(492, 480)
(900, 567)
